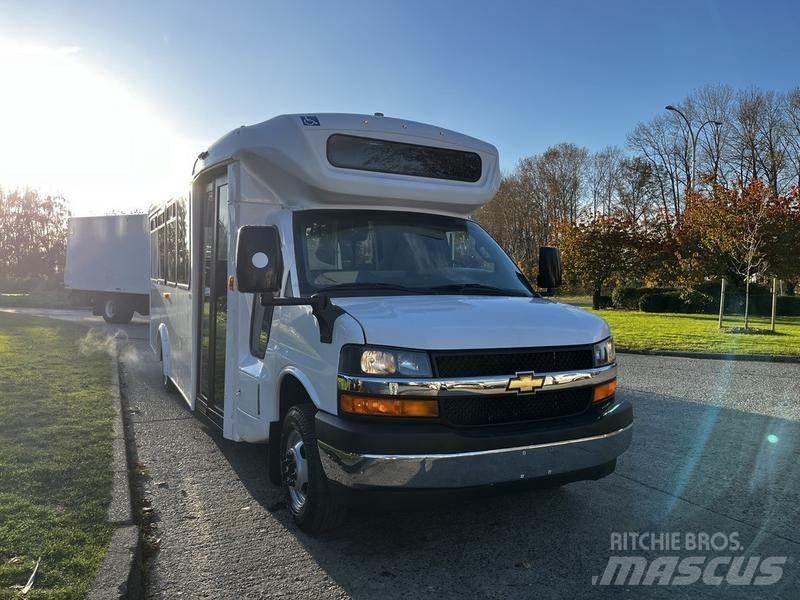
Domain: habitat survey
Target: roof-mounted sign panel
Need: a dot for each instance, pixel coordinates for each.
(318, 160)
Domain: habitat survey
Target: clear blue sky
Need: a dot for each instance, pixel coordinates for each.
(523, 75)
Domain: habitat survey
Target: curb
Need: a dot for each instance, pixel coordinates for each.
(773, 358)
(120, 575)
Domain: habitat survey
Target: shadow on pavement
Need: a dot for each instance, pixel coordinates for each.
(692, 467)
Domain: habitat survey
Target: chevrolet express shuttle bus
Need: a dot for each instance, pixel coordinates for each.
(323, 290)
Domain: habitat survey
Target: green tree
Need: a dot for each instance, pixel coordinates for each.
(33, 238)
(598, 249)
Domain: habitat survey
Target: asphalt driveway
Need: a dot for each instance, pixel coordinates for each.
(716, 450)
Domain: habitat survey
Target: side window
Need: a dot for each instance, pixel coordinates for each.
(161, 247)
(183, 241)
(157, 247)
(170, 257)
(260, 326)
(153, 249)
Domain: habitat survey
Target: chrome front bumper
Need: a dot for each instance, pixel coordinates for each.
(469, 386)
(468, 469)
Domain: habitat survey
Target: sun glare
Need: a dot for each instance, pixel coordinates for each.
(68, 129)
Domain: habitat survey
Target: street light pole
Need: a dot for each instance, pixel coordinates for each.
(694, 139)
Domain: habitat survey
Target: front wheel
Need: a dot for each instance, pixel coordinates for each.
(307, 491)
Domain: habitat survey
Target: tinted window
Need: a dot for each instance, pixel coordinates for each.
(183, 241)
(365, 154)
(377, 250)
(155, 265)
(161, 247)
(170, 249)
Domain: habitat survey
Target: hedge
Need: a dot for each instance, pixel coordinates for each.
(699, 302)
(628, 297)
(666, 302)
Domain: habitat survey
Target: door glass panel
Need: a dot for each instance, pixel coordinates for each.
(221, 296)
(207, 247)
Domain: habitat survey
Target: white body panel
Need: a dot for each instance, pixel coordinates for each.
(108, 254)
(289, 160)
(472, 322)
(280, 166)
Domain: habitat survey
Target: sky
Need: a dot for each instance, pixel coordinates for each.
(108, 103)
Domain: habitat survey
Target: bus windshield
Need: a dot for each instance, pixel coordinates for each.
(355, 252)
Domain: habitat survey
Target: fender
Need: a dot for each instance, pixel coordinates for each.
(301, 377)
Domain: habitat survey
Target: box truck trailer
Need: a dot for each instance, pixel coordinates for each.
(323, 289)
(108, 265)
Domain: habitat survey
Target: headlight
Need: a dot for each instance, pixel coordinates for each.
(604, 353)
(393, 362)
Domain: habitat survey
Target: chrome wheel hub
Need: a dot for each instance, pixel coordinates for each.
(295, 470)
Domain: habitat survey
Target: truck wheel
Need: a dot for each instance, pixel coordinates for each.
(307, 493)
(116, 310)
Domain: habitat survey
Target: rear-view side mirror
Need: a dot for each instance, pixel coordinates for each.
(259, 263)
(549, 268)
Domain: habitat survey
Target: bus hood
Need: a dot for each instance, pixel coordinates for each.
(472, 322)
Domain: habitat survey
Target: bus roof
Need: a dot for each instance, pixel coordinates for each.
(403, 164)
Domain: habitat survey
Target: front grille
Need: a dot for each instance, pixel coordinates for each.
(509, 362)
(475, 411)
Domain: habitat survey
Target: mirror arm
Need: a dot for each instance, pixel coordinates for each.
(322, 308)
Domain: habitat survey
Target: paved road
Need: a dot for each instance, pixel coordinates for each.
(716, 449)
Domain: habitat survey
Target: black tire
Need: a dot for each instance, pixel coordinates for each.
(320, 510)
(116, 310)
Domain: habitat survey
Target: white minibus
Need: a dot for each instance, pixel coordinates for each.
(323, 289)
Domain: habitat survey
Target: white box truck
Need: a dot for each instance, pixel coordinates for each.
(323, 289)
(108, 265)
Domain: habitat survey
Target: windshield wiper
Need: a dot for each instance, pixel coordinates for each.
(347, 287)
(476, 288)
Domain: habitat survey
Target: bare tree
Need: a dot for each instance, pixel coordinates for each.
(542, 191)
(712, 103)
(602, 172)
(635, 189)
(659, 143)
(562, 170)
(792, 138)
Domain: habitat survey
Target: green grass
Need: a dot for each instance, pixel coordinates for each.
(55, 456)
(635, 330)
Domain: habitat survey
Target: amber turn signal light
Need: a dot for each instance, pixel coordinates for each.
(604, 391)
(387, 407)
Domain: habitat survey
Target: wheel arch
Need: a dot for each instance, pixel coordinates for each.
(163, 346)
(294, 388)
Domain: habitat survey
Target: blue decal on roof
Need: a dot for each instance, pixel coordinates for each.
(310, 120)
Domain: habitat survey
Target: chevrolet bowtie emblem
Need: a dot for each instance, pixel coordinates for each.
(525, 383)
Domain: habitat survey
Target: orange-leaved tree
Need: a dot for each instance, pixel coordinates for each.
(598, 249)
(745, 230)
